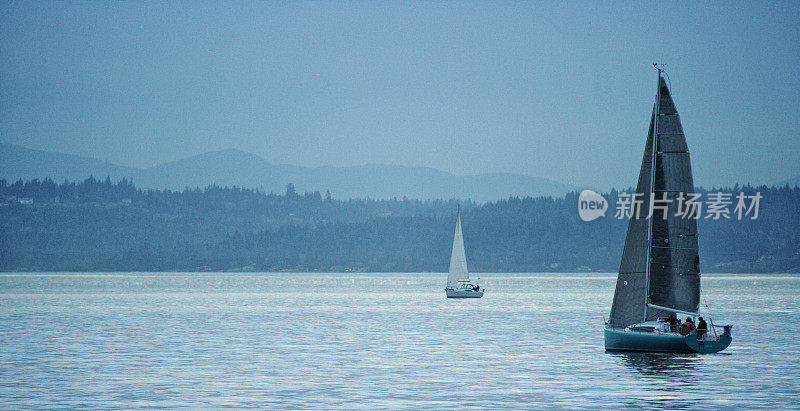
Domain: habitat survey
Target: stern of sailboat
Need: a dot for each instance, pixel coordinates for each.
(708, 344)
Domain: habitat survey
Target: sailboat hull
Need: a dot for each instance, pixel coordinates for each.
(464, 294)
(708, 346)
(621, 340)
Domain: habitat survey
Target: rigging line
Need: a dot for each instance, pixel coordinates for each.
(707, 310)
(669, 80)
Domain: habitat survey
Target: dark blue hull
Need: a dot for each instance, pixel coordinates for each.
(621, 340)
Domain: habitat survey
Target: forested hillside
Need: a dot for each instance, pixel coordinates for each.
(104, 226)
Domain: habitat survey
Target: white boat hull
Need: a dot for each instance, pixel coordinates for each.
(464, 294)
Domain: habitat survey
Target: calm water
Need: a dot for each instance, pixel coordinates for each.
(374, 341)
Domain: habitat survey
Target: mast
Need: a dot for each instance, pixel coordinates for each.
(652, 195)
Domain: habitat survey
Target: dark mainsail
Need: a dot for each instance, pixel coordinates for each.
(674, 275)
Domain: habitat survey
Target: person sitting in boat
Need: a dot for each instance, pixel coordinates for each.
(673, 323)
(686, 327)
(702, 328)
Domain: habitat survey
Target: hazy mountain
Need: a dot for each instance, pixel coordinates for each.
(224, 168)
(792, 182)
(19, 162)
(386, 181)
(235, 167)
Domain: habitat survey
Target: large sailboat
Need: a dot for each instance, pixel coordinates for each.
(458, 282)
(659, 277)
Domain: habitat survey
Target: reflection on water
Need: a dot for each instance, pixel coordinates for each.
(678, 365)
(680, 370)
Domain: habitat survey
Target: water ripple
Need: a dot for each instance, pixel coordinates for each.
(297, 341)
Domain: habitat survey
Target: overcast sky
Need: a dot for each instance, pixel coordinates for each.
(561, 91)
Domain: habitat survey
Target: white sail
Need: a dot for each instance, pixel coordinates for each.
(458, 259)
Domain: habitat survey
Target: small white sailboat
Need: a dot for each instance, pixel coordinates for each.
(659, 277)
(458, 282)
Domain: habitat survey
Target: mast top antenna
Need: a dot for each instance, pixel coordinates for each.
(660, 68)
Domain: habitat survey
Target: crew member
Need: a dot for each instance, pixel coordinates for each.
(702, 328)
(673, 323)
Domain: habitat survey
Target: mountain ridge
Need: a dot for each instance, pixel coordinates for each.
(234, 167)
